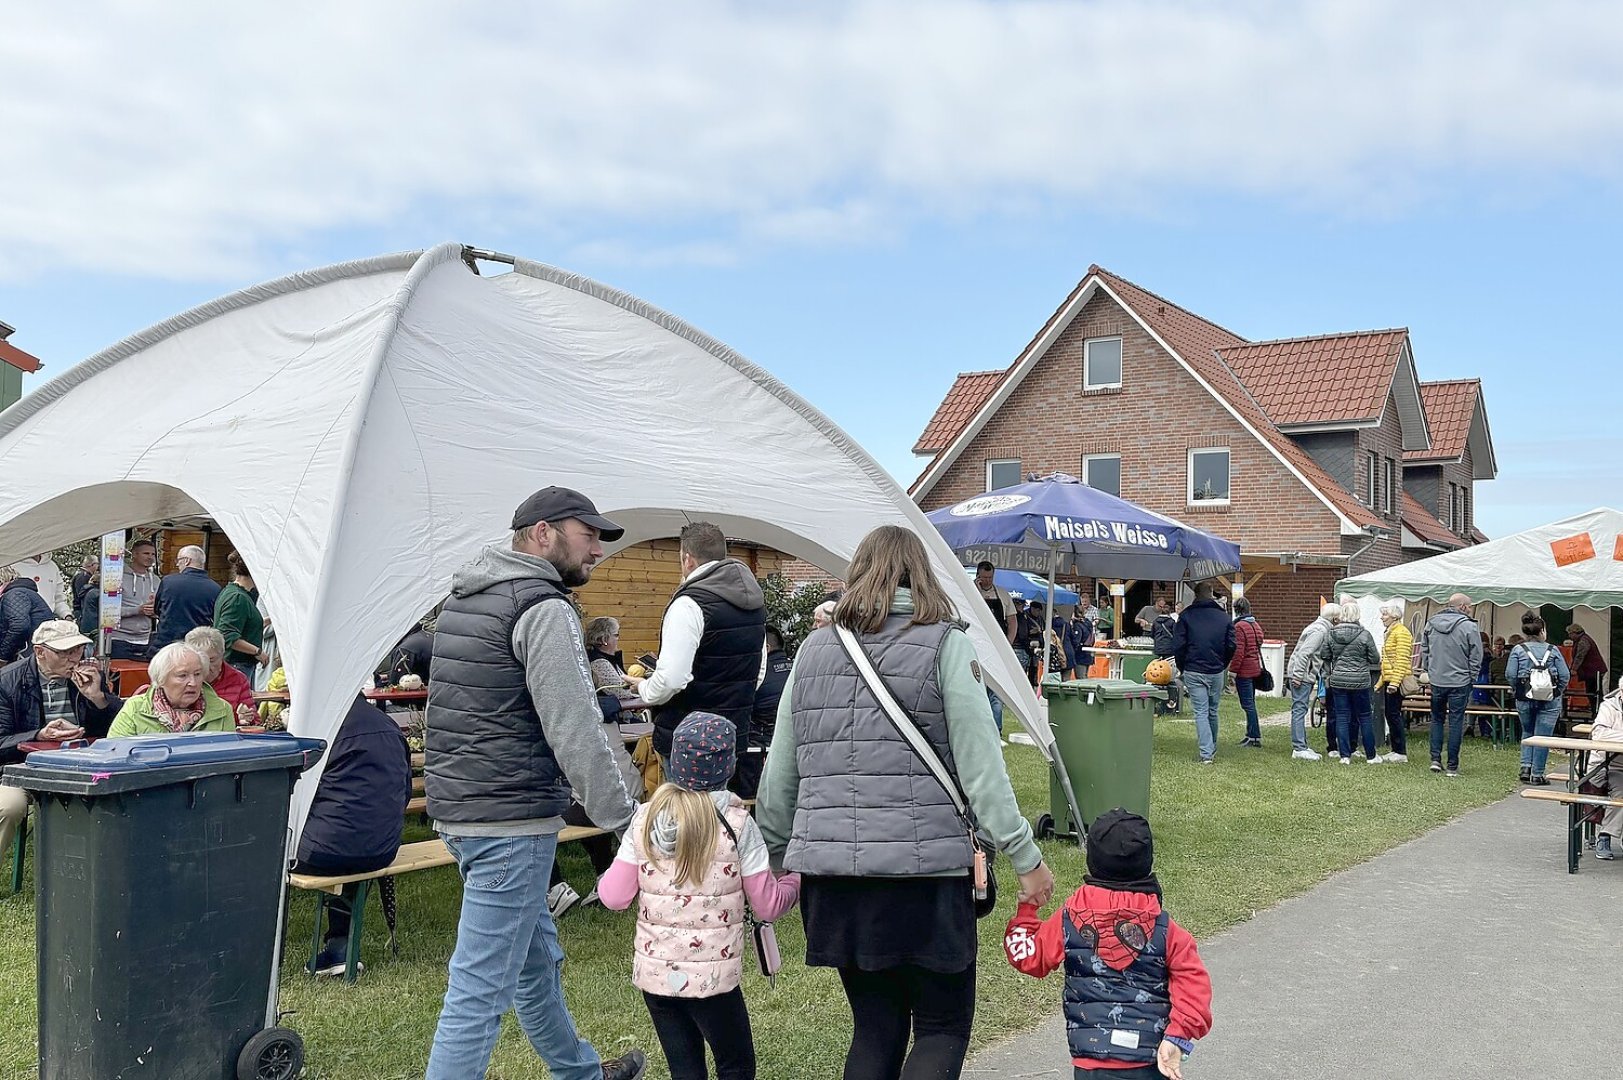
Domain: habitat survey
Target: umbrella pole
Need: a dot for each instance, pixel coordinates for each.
(1058, 764)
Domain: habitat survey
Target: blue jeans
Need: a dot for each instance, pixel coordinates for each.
(1538, 718)
(1301, 702)
(1448, 709)
(1246, 690)
(507, 957)
(997, 708)
(1205, 691)
(1350, 707)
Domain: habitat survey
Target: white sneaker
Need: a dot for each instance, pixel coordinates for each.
(1397, 759)
(590, 898)
(1335, 754)
(1376, 760)
(1305, 755)
(1345, 760)
(560, 898)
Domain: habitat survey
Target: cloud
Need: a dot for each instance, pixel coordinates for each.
(196, 139)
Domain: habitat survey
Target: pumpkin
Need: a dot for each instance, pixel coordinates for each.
(1159, 673)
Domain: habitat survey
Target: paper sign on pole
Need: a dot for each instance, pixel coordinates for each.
(112, 580)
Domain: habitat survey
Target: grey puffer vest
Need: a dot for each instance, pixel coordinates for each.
(487, 760)
(867, 806)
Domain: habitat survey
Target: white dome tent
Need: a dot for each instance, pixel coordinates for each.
(360, 431)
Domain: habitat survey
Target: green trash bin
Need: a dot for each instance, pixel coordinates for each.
(1133, 667)
(1104, 734)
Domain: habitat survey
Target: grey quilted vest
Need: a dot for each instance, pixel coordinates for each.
(867, 806)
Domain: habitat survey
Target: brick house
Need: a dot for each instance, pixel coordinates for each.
(1319, 456)
(14, 364)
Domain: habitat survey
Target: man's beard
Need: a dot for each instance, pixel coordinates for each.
(574, 575)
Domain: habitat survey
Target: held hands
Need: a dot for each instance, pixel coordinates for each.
(246, 715)
(1169, 1059)
(1037, 885)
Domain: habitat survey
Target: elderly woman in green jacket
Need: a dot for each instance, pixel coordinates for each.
(178, 700)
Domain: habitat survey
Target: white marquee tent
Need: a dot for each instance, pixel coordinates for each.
(1575, 562)
(360, 431)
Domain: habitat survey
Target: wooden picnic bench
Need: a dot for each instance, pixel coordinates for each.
(1583, 810)
(423, 855)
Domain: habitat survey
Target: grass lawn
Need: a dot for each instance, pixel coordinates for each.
(1231, 839)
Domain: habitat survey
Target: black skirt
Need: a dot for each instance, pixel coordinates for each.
(879, 923)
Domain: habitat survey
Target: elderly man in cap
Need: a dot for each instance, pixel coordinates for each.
(513, 727)
(54, 694)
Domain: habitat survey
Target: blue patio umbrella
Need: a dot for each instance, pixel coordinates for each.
(1024, 586)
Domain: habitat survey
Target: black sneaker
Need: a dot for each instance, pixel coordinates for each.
(628, 1066)
(1526, 774)
(1436, 766)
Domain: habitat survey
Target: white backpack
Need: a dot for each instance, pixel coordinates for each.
(1540, 683)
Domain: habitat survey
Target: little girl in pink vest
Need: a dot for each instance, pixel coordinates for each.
(694, 875)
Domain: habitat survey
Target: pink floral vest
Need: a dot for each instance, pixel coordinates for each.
(690, 940)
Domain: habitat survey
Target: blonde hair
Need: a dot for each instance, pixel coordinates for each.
(697, 830)
(1351, 612)
(891, 558)
(7, 575)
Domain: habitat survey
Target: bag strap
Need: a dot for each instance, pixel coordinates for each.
(904, 724)
(749, 913)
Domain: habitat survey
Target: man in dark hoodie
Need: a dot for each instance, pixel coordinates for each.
(1451, 657)
(1203, 646)
(513, 726)
(764, 718)
(710, 642)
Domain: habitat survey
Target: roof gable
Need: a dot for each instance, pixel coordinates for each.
(1458, 417)
(1331, 378)
(1193, 342)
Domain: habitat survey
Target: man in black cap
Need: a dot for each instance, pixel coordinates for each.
(513, 726)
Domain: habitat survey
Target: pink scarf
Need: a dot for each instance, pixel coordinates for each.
(175, 719)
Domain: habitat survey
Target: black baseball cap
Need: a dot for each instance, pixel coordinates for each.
(557, 503)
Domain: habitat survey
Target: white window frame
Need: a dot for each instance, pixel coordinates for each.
(1086, 458)
(1087, 364)
(1391, 485)
(1189, 476)
(1448, 509)
(1373, 476)
(1001, 461)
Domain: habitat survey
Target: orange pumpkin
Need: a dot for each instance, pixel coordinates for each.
(1159, 673)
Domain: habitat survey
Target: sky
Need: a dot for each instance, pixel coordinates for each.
(864, 198)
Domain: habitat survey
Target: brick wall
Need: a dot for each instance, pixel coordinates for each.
(635, 585)
(1287, 601)
(1161, 412)
(1385, 441)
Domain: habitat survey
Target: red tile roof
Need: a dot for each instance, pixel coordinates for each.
(969, 392)
(1450, 404)
(1420, 521)
(1199, 342)
(1317, 380)
(1478, 536)
(18, 359)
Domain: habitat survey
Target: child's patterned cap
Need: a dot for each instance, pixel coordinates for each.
(704, 752)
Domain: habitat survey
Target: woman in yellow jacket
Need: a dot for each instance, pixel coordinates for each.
(1397, 664)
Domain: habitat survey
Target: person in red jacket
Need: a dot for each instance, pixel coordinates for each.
(1136, 993)
(1246, 666)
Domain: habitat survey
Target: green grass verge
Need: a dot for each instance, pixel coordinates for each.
(1231, 839)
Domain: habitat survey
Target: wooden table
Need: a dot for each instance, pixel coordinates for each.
(1583, 811)
(398, 697)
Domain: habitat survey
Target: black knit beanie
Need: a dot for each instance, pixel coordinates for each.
(1121, 852)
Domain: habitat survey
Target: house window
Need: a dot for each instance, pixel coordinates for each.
(1102, 471)
(1101, 364)
(1372, 480)
(1465, 507)
(1448, 509)
(1391, 485)
(1459, 509)
(1002, 473)
(1209, 476)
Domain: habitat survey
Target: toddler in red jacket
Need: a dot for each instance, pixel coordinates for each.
(1136, 993)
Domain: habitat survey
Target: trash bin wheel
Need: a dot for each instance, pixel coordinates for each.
(1044, 828)
(273, 1054)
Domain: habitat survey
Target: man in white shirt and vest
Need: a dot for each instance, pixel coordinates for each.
(710, 657)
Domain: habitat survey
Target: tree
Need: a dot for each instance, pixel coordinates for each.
(789, 608)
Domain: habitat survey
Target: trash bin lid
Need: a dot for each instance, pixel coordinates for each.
(111, 766)
(1107, 689)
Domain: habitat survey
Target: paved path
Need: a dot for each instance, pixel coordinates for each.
(1443, 958)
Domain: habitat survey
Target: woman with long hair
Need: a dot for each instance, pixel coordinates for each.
(884, 856)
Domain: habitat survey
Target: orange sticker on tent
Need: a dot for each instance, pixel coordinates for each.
(1617, 550)
(1573, 549)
